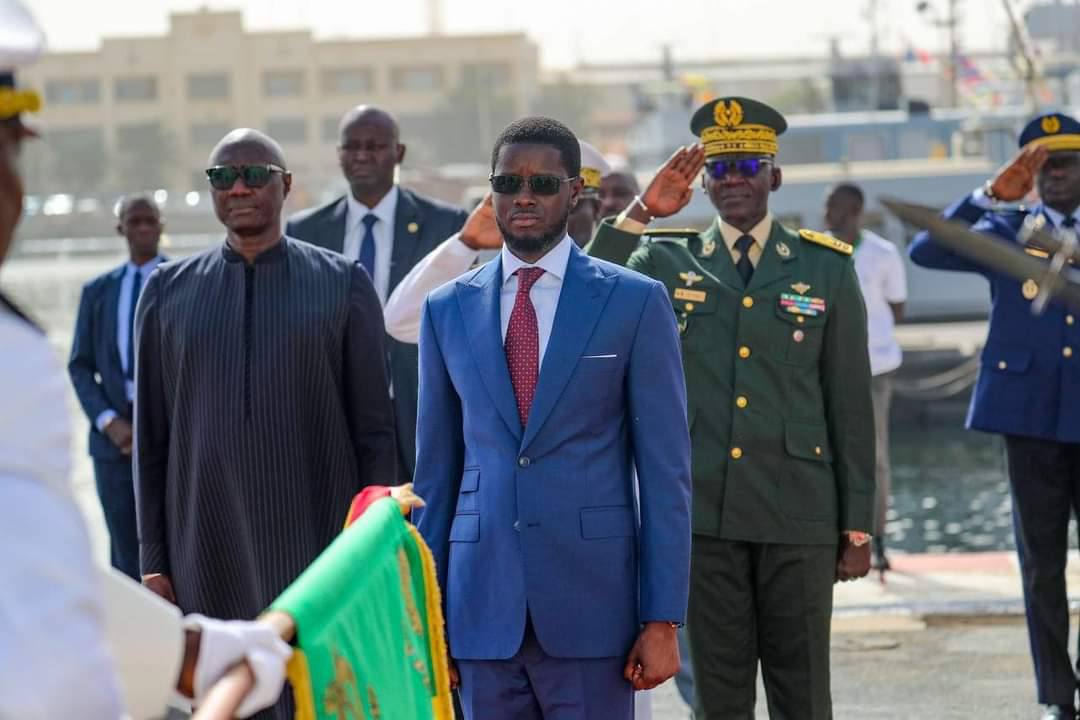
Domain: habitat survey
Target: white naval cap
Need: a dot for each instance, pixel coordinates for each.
(21, 38)
(21, 41)
(593, 166)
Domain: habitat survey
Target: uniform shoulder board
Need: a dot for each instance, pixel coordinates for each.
(671, 234)
(826, 240)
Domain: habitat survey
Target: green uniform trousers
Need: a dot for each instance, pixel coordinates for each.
(752, 602)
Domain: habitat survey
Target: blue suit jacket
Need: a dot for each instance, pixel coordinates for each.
(94, 366)
(420, 223)
(1028, 382)
(544, 517)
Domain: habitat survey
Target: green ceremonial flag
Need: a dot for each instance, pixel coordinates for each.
(369, 627)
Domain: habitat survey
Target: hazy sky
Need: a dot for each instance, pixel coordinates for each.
(568, 31)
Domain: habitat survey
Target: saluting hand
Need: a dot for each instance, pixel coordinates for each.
(1015, 180)
(670, 189)
(481, 232)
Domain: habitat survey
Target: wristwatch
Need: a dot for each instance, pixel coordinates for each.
(857, 538)
(988, 191)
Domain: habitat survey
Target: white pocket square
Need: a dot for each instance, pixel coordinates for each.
(598, 357)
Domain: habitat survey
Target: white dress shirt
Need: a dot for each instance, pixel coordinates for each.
(449, 260)
(759, 232)
(54, 660)
(383, 230)
(880, 268)
(544, 293)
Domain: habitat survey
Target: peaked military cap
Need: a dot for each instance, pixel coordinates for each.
(1056, 131)
(593, 168)
(733, 125)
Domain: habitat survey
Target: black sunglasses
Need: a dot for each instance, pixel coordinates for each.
(538, 184)
(746, 167)
(223, 177)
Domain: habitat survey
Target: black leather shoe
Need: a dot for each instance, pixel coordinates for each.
(1058, 712)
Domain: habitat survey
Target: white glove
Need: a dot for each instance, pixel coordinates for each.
(225, 643)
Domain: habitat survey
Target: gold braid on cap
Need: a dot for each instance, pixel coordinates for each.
(1058, 142)
(13, 102)
(742, 139)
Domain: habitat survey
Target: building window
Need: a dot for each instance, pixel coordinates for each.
(139, 135)
(287, 129)
(135, 88)
(72, 92)
(417, 79)
(494, 74)
(283, 83)
(330, 129)
(208, 134)
(347, 81)
(208, 86)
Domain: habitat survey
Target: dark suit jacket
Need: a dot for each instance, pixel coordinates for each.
(420, 223)
(94, 365)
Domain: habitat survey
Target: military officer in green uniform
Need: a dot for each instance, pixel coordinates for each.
(778, 379)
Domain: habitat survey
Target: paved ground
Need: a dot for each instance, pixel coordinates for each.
(942, 638)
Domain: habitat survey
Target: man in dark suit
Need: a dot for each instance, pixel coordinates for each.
(102, 369)
(388, 229)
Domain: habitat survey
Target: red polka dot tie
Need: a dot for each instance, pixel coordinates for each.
(523, 343)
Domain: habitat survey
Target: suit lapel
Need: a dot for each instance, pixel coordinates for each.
(584, 293)
(334, 234)
(478, 300)
(406, 237)
(110, 307)
(776, 257)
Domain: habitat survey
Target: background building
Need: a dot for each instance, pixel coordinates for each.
(144, 112)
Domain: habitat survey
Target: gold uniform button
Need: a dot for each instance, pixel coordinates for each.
(741, 401)
(1069, 320)
(1066, 351)
(748, 302)
(736, 453)
(800, 319)
(1003, 365)
(817, 450)
(744, 352)
(689, 307)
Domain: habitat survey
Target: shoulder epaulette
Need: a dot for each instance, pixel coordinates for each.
(671, 234)
(826, 240)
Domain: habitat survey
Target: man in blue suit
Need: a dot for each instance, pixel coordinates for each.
(102, 370)
(1029, 385)
(388, 229)
(546, 379)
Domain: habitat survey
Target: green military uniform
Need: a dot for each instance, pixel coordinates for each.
(778, 383)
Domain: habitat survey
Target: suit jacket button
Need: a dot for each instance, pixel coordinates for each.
(517, 526)
(524, 462)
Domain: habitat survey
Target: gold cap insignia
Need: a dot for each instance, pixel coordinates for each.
(728, 115)
(1030, 289)
(591, 176)
(801, 288)
(1050, 124)
(783, 250)
(413, 227)
(690, 278)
